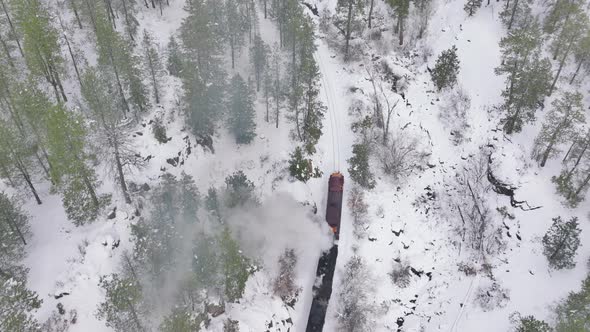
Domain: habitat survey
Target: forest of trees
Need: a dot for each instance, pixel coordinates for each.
(78, 77)
(69, 109)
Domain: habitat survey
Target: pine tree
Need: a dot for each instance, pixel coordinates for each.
(444, 74)
(301, 167)
(18, 305)
(182, 319)
(174, 63)
(234, 265)
(203, 76)
(560, 11)
(528, 75)
(241, 111)
(114, 134)
(236, 27)
(516, 14)
(129, 10)
(348, 20)
(18, 152)
(573, 313)
(564, 42)
(561, 242)
(561, 125)
(312, 112)
(122, 309)
(259, 53)
(471, 6)
(15, 233)
(582, 55)
(239, 190)
(41, 44)
(402, 10)
(359, 169)
(153, 62)
(529, 324)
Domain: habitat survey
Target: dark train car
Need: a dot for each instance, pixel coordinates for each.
(334, 208)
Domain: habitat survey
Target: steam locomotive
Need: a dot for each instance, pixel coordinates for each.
(334, 208)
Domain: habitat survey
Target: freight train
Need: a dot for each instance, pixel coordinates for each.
(334, 206)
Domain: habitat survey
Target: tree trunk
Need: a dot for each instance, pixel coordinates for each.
(146, 4)
(121, 176)
(580, 63)
(73, 60)
(6, 51)
(581, 187)
(110, 13)
(120, 87)
(512, 14)
(127, 20)
(554, 136)
(348, 21)
(580, 156)
(153, 75)
(232, 46)
(12, 28)
(16, 229)
(511, 122)
(371, 13)
(153, 4)
(401, 31)
(27, 178)
(90, 189)
(561, 63)
(265, 8)
(58, 82)
(75, 10)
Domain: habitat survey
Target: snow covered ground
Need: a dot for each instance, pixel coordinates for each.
(67, 259)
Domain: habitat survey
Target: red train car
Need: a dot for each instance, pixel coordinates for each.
(334, 208)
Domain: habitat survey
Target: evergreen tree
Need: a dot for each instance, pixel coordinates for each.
(471, 6)
(203, 76)
(18, 154)
(182, 319)
(561, 125)
(71, 165)
(153, 63)
(114, 134)
(349, 14)
(41, 44)
(236, 27)
(115, 53)
(259, 53)
(122, 309)
(14, 224)
(18, 305)
(359, 169)
(560, 11)
(582, 55)
(312, 112)
(158, 239)
(446, 69)
(239, 190)
(561, 242)
(174, 63)
(235, 267)
(570, 35)
(529, 324)
(516, 13)
(301, 167)
(241, 111)
(401, 9)
(573, 313)
(528, 75)
(128, 8)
